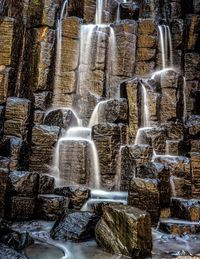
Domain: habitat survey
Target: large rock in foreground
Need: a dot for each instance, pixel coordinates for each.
(125, 230)
(77, 226)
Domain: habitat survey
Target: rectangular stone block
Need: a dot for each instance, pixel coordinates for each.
(144, 194)
(43, 135)
(5, 75)
(6, 40)
(21, 208)
(3, 188)
(74, 167)
(107, 139)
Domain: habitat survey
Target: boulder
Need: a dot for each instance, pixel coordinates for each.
(185, 209)
(162, 174)
(50, 207)
(113, 111)
(77, 195)
(193, 125)
(144, 194)
(6, 252)
(23, 184)
(76, 226)
(14, 239)
(46, 184)
(21, 208)
(179, 227)
(43, 135)
(63, 118)
(124, 230)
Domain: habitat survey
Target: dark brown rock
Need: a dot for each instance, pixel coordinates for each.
(50, 207)
(17, 117)
(192, 61)
(63, 118)
(193, 124)
(195, 164)
(185, 209)
(46, 184)
(43, 135)
(78, 195)
(178, 227)
(23, 184)
(124, 230)
(42, 13)
(144, 194)
(76, 226)
(107, 139)
(21, 208)
(6, 252)
(3, 190)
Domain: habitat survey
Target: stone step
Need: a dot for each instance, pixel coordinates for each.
(188, 209)
(179, 227)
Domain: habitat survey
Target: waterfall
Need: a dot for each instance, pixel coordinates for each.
(99, 12)
(146, 119)
(78, 134)
(58, 54)
(118, 16)
(166, 46)
(94, 120)
(87, 32)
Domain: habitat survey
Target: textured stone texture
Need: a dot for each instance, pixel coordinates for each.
(23, 184)
(17, 117)
(67, 64)
(50, 207)
(124, 230)
(144, 194)
(46, 184)
(178, 227)
(195, 164)
(77, 226)
(107, 139)
(21, 208)
(185, 209)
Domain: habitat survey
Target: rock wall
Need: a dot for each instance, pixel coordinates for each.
(122, 58)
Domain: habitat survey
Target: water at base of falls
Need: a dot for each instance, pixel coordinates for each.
(100, 196)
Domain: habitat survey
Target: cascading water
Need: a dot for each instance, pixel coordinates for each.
(77, 135)
(57, 81)
(118, 13)
(146, 118)
(166, 46)
(99, 12)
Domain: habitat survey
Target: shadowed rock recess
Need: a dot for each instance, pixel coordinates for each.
(99, 129)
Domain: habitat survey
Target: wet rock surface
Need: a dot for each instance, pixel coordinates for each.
(144, 194)
(50, 207)
(135, 241)
(77, 226)
(77, 195)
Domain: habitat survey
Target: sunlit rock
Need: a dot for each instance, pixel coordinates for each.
(144, 194)
(124, 230)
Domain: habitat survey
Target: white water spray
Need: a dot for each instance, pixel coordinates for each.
(166, 46)
(99, 12)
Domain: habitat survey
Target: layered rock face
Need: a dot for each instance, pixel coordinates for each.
(138, 64)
